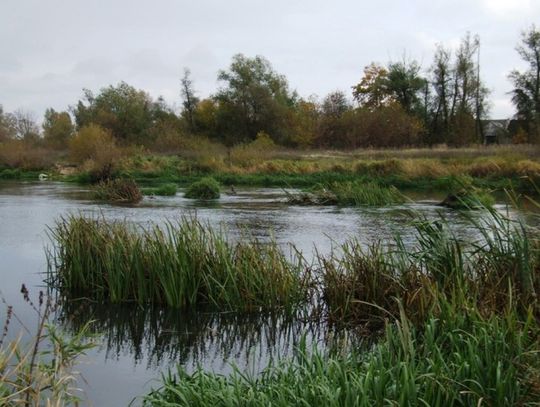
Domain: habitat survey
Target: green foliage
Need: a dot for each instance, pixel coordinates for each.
(183, 265)
(57, 128)
(348, 194)
(206, 188)
(455, 360)
(526, 92)
(254, 98)
(127, 113)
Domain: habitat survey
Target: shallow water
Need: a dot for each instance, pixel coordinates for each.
(138, 344)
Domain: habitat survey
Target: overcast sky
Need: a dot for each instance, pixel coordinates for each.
(51, 49)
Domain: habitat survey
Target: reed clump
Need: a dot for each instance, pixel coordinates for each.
(355, 193)
(498, 270)
(119, 190)
(184, 264)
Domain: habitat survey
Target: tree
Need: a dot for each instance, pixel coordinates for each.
(25, 125)
(333, 127)
(190, 101)
(526, 93)
(372, 91)
(404, 85)
(7, 126)
(126, 112)
(254, 98)
(57, 128)
(460, 97)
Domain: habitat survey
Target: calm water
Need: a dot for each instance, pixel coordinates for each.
(138, 344)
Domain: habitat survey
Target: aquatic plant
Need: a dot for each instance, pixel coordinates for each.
(183, 264)
(348, 194)
(119, 190)
(457, 359)
(206, 188)
(498, 270)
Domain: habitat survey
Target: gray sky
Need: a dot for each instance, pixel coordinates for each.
(51, 49)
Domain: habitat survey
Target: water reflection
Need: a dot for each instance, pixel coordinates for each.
(161, 337)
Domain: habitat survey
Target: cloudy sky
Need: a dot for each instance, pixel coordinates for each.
(51, 49)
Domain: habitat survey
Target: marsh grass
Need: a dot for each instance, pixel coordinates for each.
(184, 264)
(498, 270)
(457, 359)
(119, 190)
(356, 193)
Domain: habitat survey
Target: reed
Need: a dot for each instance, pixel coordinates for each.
(118, 190)
(496, 271)
(355, 193)
(183, 264)
(456, 360)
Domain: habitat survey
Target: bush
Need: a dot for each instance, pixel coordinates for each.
(26, 156)
(94, 147)
(206, 188)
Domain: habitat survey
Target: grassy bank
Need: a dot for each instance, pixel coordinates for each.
(487, 167)
(184, 265)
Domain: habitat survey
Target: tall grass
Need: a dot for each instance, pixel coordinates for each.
(348, 194)
(460, 326)
(457, 359)
(118, 190)
(183, 264)
(497, 270)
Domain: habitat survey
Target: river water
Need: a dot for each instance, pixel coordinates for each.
(136, 344)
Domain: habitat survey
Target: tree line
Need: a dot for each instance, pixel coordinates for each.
(392, 105)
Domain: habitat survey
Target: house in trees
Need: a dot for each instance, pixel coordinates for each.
(496, 131)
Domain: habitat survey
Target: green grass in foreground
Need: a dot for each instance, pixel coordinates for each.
(460, 328)
(183, 265)
(457, 359)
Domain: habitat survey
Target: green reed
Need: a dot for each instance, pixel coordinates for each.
(348, 194)
(457, 359)
(183, 264)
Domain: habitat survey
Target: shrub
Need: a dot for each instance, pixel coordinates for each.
(206, 188)
(95, 148)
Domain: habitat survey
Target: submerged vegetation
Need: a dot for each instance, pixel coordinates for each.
(184, 265)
